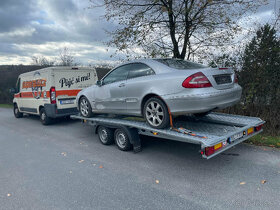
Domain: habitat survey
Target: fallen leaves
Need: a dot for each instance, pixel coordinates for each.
(80, 161)
(263, 181)
(157, 181)
(100, 166)
(64, 154)
(8, 195)
(242, 183)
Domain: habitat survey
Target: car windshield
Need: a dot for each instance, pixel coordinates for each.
(181, 64)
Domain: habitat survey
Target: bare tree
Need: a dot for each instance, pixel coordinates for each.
(66, 57)
(174, 27)
(42, 61)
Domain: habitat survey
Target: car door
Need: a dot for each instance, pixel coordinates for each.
(137, 86)
(110, 96)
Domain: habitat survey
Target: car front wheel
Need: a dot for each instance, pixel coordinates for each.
(85, 107)
(156, 113)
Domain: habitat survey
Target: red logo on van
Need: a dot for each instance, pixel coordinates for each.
(36, 85)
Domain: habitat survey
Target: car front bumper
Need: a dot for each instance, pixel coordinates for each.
(197, 101)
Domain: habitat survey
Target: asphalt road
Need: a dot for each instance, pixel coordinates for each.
(64, 166)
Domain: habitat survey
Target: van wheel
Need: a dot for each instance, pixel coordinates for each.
(17, 113)
(45, 120)
(85, 107)
(156, 113)
(106, 135)
(122, 140)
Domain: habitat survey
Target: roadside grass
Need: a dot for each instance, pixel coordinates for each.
(264, 140)
(6, 106)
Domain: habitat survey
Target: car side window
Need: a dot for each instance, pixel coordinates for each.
(116, 75)
(139, 70)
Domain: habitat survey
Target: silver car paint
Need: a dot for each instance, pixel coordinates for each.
(126, 97)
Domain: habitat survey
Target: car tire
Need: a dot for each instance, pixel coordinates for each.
(85, 107)
(156, 113)
(122, 140)
(105, 135)
(17, 113)
(45, 120)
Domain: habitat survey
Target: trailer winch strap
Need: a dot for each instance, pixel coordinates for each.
(182, 130)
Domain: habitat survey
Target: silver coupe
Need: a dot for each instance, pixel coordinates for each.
(159, 88)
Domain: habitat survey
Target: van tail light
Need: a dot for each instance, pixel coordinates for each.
(197, 80)
(52, 95)
(235, 78)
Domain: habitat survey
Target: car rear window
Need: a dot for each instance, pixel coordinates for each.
(181, 64)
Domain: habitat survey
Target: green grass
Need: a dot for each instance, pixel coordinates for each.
(263, 140)
(6, 106)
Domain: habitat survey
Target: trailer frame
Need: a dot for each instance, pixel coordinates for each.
(215, 132)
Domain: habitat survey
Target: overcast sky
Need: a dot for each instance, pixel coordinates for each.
(43, 27)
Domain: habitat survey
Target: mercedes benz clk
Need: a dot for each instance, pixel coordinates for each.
(160, 88)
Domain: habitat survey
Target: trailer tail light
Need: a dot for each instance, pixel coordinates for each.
(209, 151)
(258, 128)
(52, 95)
(197, 80)
(223, 68)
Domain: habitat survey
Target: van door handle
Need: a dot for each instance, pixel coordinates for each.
(122, 85)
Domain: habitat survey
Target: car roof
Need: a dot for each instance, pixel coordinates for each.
(158, 67)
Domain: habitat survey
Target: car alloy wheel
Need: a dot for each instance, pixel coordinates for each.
(154, 113)
(84, 106)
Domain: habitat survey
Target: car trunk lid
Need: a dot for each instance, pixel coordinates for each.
(220, 78)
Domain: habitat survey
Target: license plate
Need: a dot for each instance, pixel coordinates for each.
(237, 136)
(67, 101)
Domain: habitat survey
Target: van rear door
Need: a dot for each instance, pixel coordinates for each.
(68, 83)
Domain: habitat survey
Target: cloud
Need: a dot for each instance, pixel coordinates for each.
(40, 27)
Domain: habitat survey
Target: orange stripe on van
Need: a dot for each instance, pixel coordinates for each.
(58, 93)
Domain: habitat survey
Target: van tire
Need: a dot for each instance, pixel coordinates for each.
(85, 107)
(45, 120)
(17, 113)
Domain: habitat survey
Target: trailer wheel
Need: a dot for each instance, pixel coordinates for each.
(17, 113)
(45, 120)
(122, 140)
(105, 135)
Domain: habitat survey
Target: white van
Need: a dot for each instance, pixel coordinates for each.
(51, 92)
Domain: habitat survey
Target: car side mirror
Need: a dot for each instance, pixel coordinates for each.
(99, 83)
(12, 91)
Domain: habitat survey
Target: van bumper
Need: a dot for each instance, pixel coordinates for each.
(53, 112)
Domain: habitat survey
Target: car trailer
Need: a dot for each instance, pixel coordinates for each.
(215, 132)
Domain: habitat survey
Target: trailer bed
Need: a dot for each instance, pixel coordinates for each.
(208, 131)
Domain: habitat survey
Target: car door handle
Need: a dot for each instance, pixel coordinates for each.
(122, 85)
